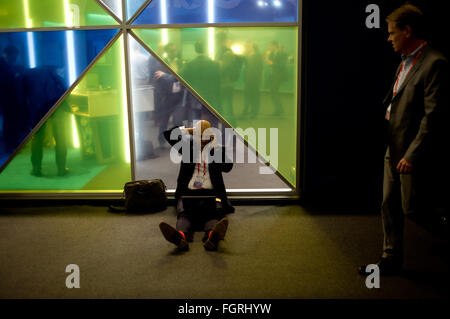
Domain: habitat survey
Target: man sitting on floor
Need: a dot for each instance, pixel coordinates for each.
(200, 195)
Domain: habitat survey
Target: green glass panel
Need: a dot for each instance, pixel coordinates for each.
(88, 134)
(247, 75)
(157, 107)
(52, 13)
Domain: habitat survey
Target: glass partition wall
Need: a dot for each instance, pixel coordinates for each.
(91, 85)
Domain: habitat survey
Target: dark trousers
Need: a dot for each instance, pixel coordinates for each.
(226, 107)
(37, 144)
(275, 84)
(198, 214)
(399, 200)
(252, 99)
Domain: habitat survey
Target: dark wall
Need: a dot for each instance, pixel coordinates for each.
(347, 71)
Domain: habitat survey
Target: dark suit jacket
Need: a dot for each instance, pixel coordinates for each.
(416, 125)
(203, 74)
(187, 168)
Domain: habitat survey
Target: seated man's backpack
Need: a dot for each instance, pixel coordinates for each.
(146, 196)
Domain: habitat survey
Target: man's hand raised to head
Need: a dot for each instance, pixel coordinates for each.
(404, 167)
(159, 74)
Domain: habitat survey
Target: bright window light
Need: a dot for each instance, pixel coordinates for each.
(237, 49)
(211, 40)
(30, 36)
(70, 42)
(164, 36)
(71, 56)
(277, 3)
(31, 52)
(76, 141)
(163, 12)
(211, 44)
(126, 133)
(28, 21)
(210, 11)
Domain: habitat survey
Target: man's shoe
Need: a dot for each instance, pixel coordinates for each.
(387, 266)
(174, 236)
(63, 172)
(36, 172)
(216, 235)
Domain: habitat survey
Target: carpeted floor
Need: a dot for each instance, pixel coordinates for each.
(269, 252)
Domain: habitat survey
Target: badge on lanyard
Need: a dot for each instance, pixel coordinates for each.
(199, 179)
(198, 183)
(176, 87)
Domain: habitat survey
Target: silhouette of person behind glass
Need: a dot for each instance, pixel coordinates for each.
(253, 67)
(14, 130)
(277, 59)
(230, 70)
(203, 75)
(41, 88)
(170, 91)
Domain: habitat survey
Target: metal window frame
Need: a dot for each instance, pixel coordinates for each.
(125, 28)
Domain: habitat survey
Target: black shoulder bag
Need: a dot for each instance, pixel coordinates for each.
(145, 196)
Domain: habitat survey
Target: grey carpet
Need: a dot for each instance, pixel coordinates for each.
(269, 252)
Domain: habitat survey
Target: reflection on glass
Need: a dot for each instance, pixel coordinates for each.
(82, 146)
(115, 6)
(133, 6)
(215, 11)
(52, 13)
(248, 75)
(35, 75)
(160, 101)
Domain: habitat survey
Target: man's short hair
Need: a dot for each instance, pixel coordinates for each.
(408, 15)
(200, 47)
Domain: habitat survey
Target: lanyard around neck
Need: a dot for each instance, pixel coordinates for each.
(412, 65)
(204, 166)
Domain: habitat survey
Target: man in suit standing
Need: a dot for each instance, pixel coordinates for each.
(203, 74)
(416, 105)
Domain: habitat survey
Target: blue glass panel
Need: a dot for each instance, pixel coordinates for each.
(218, 11)
(36, 69)
(133, 6)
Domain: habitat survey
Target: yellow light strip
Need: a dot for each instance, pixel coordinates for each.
(126, 134)
(28, 21)
(164, 36)
(30, 37)
(76, 141)
(211, 44)
(211, 40)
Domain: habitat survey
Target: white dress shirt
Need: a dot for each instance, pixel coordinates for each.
(201, 178)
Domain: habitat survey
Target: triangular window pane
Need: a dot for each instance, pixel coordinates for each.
(53, 13)
(160, 102)
(255, 86)
(88, 134)
(31, 59)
